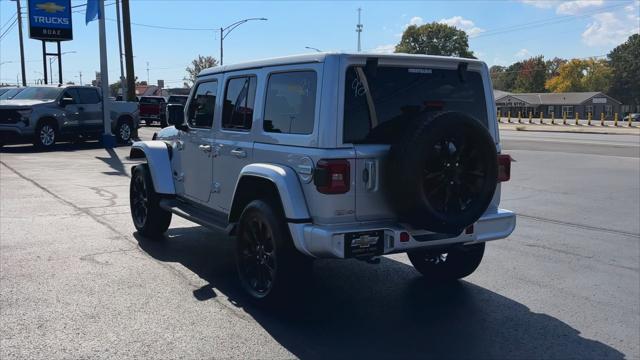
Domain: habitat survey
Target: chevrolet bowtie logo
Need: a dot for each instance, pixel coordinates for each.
(50, 7)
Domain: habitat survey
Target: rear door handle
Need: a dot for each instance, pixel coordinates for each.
(205, 148)
(239, 153)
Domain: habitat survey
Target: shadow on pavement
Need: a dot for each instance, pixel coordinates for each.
(64, 146)
(356, 310)
(114, 162)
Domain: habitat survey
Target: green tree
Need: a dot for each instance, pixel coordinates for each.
(625, 64)
(553, 66)
(498, 75)
(581, 75)
(435, 39)
(197, 65)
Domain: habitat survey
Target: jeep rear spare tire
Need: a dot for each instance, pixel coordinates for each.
(443, 172)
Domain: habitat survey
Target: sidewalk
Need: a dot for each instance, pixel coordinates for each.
(593, 129)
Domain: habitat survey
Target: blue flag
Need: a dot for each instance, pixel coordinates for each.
(93, 11)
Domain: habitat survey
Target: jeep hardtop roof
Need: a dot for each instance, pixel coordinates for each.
(320, 57)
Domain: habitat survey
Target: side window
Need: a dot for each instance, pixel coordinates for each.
(290, 103)
(72, 93)
(88, 96)
(240, 96)
(203, 105)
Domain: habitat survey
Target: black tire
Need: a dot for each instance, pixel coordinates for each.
(163, 124)
(45, 135)
(148, 217)
(449, 264)
(442, 173)
(124, 131)
(268, 264)
(148, 122)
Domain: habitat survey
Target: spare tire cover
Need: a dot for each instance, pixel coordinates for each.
(442, 172)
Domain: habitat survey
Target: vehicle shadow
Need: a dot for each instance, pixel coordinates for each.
(355, 310)
(114, 162)
(62, 146)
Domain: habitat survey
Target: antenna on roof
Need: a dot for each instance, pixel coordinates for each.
(359, 28)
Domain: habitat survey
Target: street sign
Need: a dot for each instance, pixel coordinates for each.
(50, 20)
(161, 84)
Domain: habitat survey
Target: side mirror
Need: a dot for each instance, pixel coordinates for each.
(175, 116)
(66, 101)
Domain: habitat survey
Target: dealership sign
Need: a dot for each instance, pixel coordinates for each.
(50, 20)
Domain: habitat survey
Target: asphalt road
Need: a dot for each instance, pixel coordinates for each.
(77, 282)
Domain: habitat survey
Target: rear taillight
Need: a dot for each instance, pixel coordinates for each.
(332, 176)
(504, 167)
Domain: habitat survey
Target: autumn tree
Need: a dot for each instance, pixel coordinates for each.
(625, 64)
(197, 65)
(531, 76)
(581, 75)
(435, 39)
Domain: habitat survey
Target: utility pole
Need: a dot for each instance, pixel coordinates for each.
(80, 73)
(148, 74)
(359, 29)
(123, 85)
(19, 14)
(128, 51)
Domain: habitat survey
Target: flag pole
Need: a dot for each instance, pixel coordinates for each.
(108, 140)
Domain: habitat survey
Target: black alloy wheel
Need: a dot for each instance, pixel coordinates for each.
(139, 201)
(257, 259)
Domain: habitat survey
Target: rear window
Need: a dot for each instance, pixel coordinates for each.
(377, 106)
(147, 100)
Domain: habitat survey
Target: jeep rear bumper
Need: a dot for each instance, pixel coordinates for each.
(328, 241)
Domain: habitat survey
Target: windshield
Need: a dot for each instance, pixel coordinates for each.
(10, 94)
(38, 93)
(177, 100)
(378, 106)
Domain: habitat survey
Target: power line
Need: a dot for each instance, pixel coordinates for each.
(9, 28)
(548, 21)
(169, 27)
(5, 24)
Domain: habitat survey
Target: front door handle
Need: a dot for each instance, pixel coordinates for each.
(80, 108)
(239, 153)
(205, 148)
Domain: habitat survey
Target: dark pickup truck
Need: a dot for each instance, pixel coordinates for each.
(152, 108)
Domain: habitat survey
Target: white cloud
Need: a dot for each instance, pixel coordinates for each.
(416, 20)
(463, 24)
(572, 7)
(575, 7)
(384, 49)
(607, 29)
(522, 53)
(543, 4)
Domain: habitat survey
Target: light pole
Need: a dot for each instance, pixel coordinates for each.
(52, 59)
(225, 31)
(312, 48)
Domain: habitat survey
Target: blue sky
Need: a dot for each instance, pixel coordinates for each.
(501, 31)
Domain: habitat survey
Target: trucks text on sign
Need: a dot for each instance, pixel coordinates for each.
(50, 20)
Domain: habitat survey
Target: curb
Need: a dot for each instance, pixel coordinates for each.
(625, 131)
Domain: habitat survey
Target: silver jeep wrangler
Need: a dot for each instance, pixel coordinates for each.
(332, 156)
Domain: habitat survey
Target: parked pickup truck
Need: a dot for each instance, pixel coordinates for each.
(152, 108)
(45, 114)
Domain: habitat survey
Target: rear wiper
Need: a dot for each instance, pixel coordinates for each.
(372, 107)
